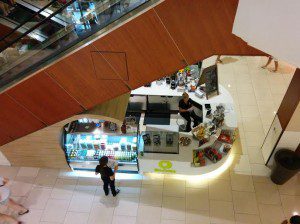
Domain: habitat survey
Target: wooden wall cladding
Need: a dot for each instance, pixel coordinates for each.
(4, 138)
(150, 51)
(45, 99)
(203, 28)
(290, 100)
(15, 120)
(76, 74)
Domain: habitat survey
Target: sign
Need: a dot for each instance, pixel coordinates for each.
(164, 166)
(211, 80)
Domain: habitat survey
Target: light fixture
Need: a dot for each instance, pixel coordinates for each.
(229, 85)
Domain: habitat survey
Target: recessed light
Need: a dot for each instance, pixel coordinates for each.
(229, 85)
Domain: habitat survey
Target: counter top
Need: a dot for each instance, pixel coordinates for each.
(165, 90)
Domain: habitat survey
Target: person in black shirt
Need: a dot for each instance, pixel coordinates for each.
(107, 176)
(187, 112)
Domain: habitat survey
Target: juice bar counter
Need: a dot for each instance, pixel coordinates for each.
(86, 141)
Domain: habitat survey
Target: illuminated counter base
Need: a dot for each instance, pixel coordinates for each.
(167, 163)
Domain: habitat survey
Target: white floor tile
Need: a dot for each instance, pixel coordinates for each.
(255, 155)
(221, 212)
(55, 211)
(82, 201)
(38, 198)
(196, 217)
(220, 190)
(197, 199)
(241, 182)
(63, 189)
(173, 208)
(124, 220)
(271, 214)
(148, 214)
(245, 202)
(46, 177)
(28, 172)
(101, 212)
(33, 217)
(171, 221)
(290, 204)
(76, 218)
(20, 189)
(151, 195)
(247, 219)
(267, 193)
(127, 207)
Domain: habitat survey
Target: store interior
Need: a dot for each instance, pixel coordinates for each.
(64, 196)
(153, 136)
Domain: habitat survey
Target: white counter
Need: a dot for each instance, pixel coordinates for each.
(165, 90)
(181, 163)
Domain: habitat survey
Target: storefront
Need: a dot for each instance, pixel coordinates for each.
(152, 137)
(87, 140)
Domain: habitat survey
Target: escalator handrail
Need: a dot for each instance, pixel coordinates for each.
(37, 25)
(21, 24)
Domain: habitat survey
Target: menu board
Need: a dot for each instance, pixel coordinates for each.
(211, 80)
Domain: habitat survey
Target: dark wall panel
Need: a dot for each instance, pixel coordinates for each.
(76, 74)
(149, 49)
(15, 120)
(203, 28)
(290, 100)
(45, 99)
(4, 138)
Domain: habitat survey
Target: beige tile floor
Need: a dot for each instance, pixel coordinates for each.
(243, 194)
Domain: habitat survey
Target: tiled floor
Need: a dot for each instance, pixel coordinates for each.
(243, 194)
(154, 198)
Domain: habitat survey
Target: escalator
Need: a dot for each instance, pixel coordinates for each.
(42, 32)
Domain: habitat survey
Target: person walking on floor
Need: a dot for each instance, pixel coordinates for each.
(107, 176)
(270, 58)
(11, 204)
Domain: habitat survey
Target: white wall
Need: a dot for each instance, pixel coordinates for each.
(272, 26)
(3, 160)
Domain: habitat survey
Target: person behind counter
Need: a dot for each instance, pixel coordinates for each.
(107, 176)
(186, 110)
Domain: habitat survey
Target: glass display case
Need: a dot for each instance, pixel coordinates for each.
(85, 143)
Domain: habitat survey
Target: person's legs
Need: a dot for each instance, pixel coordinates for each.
(276, 66)
(8, 219)
(187, 117)
(20, 209)
(105, 186)
(268, 62)
(218, 60)
(112, 187)
(195, 118)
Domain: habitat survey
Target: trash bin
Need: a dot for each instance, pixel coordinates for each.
(287, 164)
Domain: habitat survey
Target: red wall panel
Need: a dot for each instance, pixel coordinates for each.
(45, 99)
(15, 120)
(149, 49)
(203, 28)
(76, 74)
(4, 138)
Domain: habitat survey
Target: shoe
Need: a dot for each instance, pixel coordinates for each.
(117, 192)
(188, 130)
(23, 213)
